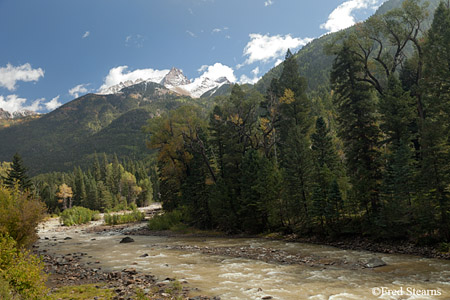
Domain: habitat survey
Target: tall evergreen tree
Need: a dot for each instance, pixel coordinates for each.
(398, 116)
(326, 172)
(358, 129)
(17, 174)
(435, 142)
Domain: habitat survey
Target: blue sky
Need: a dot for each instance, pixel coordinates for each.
(53, 51)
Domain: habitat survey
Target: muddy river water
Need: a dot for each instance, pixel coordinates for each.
(404, 277)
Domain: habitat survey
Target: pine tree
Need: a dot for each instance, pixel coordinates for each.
(322, 146)
(397, 114)
(92, 194)
(326, 172)
(104, 197)
(297, 167)
(253, 212)
(96, 169)
(294, 104)
(195, 193)
(435, 133)
(358, 128)
(17, 174)
(104, 167)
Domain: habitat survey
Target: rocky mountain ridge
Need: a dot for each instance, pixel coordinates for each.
(175, 81)
(6, 115)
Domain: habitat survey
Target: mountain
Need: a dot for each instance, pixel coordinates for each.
(8, 119)
(204, 85)
(315, 64)
(111, 120)
(175, 81)
(175, 77)
(6, 115)
(71, 134)
(114, 89)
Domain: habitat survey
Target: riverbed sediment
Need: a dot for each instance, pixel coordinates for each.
(236, 267)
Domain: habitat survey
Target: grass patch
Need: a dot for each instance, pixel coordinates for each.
(78, 215)
(115, 219)
(121, 207)
(174, 289)
(84, 292)
(166, 221)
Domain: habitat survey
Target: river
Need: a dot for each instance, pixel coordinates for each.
(404, 276)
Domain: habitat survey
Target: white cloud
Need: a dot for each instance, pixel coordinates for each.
(343, 16)
(120, 74)
(53, 104)
(245, 79)
(35, 105)
(79, 89)
(13, 103)
(216, 71)
(86, 34)
(136, 40)
(279, 61)
(9, 75)
(268, 3)
(266, 48)
(217, 30)
(191, 33)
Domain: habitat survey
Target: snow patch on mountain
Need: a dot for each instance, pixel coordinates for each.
(173, 80)
(119, 78)
(202, 85)
(5, 115)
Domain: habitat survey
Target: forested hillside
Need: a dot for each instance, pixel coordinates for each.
(315, 64)
(272, 161)
(70, 135)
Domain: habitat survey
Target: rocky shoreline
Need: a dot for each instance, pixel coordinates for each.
(362, 244)
(68, 270)
(357, 243)
(72, 269)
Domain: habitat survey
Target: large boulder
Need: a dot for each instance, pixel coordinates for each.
(375, 263)
(127, 239)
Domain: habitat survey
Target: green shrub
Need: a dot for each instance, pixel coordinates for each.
(121, 207)
(116, 219)
(20, 213)
(85, 291)
(21, 273)
(78, 215)
(444, 247)
(165, 221)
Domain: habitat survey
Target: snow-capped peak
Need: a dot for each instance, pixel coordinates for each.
(175, 78)
(5, 115)
(203, 84)
(114, 89)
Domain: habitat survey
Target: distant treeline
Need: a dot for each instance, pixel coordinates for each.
(375, 162)
(103, 186)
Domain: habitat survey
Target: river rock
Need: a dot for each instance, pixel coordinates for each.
(375, 263)
(67, 238)
(127, 239)
(130, 271)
